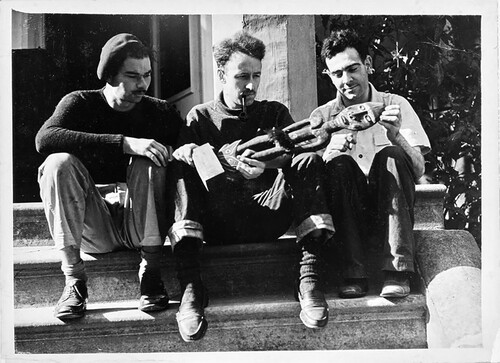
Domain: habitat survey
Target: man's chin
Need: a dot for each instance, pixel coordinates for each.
(249, 100)
(352, 97)
(135, 98)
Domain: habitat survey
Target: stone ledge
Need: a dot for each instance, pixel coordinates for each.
(234, 325)
(30, 225)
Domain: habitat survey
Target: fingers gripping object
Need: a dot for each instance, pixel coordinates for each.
(307, 135)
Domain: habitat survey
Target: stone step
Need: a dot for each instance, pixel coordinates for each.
(231, 270)
(235, 324)
(236, 270)
(30, 225)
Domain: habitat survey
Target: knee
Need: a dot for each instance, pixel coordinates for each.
(307, 161)
(58, 165)
(391, 152)
(142, 167)
(341, 164)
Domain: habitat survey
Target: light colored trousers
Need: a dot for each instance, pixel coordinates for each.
(85, 216)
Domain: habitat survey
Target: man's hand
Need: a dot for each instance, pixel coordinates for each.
(248, 167)
(391, 120)
(185, 153)
(339, 143)
(158, 153)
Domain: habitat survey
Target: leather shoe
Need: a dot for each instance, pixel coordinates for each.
(73, 301)
(190, 317)
(154, 296)
(314, 313)
(396, 284)
(153, 302)
(353, 288)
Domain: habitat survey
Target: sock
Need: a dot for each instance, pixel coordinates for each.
(150, 270)
(309, 272)
(150, 260)
(75, 272)
(187, 261)
(311, 263)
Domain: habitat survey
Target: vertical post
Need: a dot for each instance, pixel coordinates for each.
(289, 67)
(155, 44)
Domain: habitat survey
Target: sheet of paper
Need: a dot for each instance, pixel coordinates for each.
(206, 162)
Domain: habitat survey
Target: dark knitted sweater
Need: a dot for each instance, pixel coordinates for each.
(214, 123)
(83, 124)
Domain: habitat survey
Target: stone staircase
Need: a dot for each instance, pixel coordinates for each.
(251, 298)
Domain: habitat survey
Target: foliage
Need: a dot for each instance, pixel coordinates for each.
(434, 61)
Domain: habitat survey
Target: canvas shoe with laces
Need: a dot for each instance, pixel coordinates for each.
(396, 284)
(73, 301)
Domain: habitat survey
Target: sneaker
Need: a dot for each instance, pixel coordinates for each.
(154, 296)
(396, 284)
(73, 301)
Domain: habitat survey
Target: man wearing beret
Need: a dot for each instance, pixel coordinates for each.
(103, 181)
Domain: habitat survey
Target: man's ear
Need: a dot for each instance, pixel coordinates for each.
(368, 64)
(221, 75)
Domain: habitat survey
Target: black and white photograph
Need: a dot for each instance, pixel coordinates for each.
(280, 181)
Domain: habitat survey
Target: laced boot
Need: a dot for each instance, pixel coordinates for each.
(73, 301)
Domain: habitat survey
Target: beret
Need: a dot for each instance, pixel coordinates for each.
(112, 47)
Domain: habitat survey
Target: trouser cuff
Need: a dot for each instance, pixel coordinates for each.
(183, 229)
(74, 272)
(400, 265)
(314, 222)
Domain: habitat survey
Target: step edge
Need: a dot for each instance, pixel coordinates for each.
(421, 189)
(218, 313)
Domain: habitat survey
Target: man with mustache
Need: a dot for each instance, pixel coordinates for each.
(252, 204)
(371, 173)
(121, 139)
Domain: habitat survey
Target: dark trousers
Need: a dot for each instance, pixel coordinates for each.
(246, 211)
(378, 208)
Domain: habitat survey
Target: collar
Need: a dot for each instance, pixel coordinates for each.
(221, 106)
(338, 105)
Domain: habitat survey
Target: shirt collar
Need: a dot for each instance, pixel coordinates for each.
(375, 97)
(221, 106)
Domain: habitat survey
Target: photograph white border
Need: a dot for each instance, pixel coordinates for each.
(487, 9)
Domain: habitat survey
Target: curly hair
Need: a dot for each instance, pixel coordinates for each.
(239, 42)
(341, 39)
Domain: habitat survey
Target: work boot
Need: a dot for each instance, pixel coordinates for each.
(73, 301)
(191, 315)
